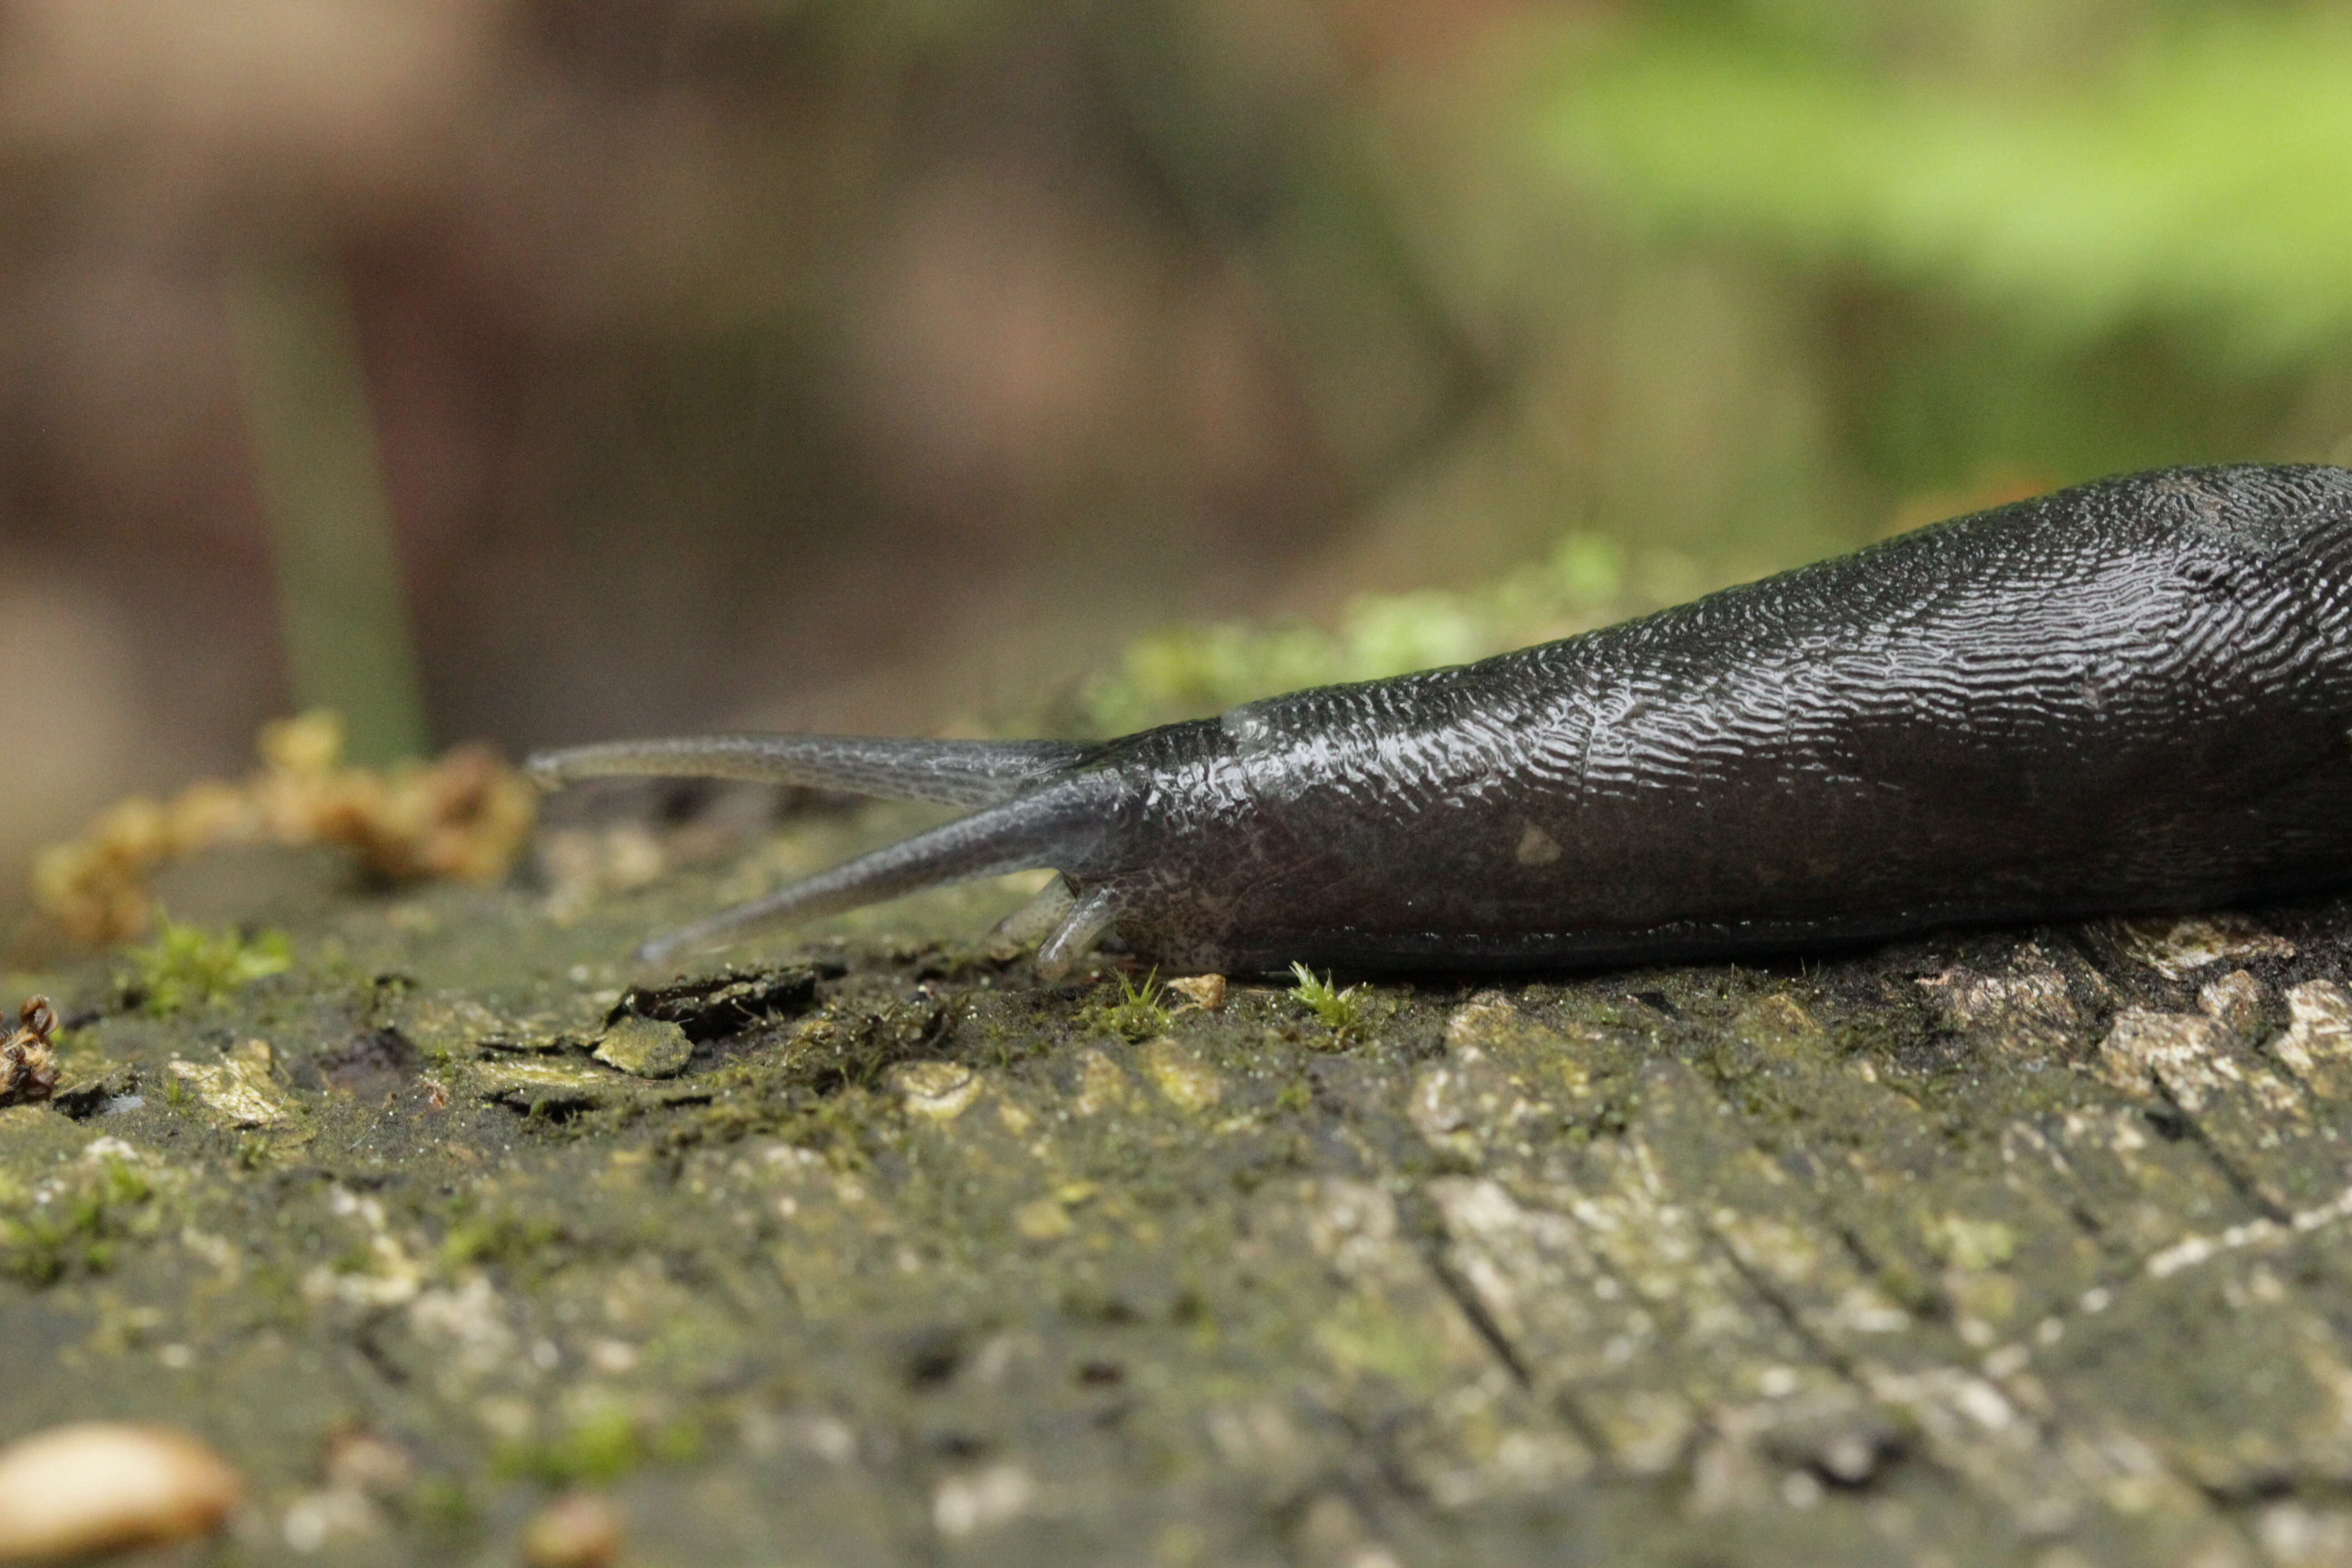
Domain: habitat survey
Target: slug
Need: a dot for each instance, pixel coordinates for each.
(2129, 697)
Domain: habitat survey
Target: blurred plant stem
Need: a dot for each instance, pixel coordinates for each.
(340, 605)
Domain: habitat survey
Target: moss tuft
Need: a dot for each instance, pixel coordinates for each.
(1135, 1015)
(78, 1230)
(187, 965)
(1341, 1012)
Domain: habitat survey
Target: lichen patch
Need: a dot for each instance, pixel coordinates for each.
(2178, 948)
(645, 1047)
(240, 1088)
(1181, 1076)
(2025, 1008)
(939, 1090)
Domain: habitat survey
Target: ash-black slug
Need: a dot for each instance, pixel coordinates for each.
(2132, 696)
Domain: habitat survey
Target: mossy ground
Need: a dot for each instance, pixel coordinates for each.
(2001, 1248)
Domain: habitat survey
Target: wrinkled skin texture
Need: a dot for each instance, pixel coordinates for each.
(2130, 695)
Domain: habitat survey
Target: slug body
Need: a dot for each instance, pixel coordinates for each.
(2130, 695)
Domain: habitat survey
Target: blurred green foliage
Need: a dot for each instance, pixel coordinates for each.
(2051, 241)
(2201, 181)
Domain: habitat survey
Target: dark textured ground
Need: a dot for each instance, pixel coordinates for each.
(2012, 1247)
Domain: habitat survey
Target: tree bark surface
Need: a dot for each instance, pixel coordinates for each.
(2021, 1246)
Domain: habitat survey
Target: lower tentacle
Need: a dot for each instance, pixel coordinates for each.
(1095, 912)
(1055, 827)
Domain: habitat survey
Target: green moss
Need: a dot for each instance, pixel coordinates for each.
(1136, 1014)
(443, 1506)
(601, 1437)
(1583, 582)
(678, 1442)
(78, 1229)
(507, 1240)
(187, 965)
(1362, 1334)
(1340, 1011)
(597, 1446)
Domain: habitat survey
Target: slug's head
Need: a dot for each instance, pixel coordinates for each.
(1085, 811)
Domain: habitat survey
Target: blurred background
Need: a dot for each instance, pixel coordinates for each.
(553, 370)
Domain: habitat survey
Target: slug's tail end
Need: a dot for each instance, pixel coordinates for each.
(1052, 826)
(950, 773)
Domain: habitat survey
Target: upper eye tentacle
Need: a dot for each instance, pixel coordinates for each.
(949, 772)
